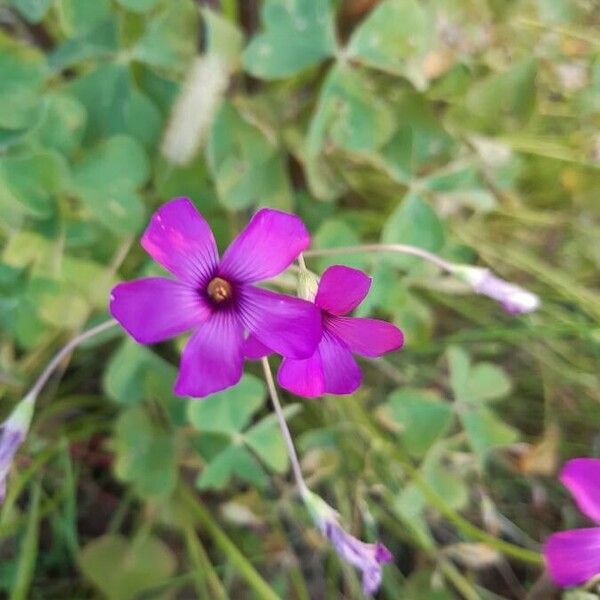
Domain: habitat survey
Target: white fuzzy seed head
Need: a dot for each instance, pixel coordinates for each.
(195, 108)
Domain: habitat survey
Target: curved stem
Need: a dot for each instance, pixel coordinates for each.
(68, 347)
(302, 487)
(399, 248)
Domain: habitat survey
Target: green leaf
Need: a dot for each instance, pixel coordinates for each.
(34, 11)
(446, 482)
(335, 233)
(228, 411)
(297, 34)
(23, 70)
(138, 6)
(99, 42)
(459, 365)
(121, 568)
(126, 377)
(223, 38)
(77, 17)
(475, 383)
(169, 41)
(63, 122)
(413, 222)
(32, 181)
(145, 454)
(422, 416)
(246, 166)
(394, 32)
(234, 461)
(486, 431)
(106, 180)
(57, 303)
(486, 382)
(266, 440)
(511, 93)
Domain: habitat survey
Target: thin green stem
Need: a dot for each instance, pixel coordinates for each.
(302, 487)
(222, 540)
(398, 248)
(68, 347)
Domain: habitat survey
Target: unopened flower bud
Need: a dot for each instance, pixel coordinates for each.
(366, 557)
(12, 434)
(513, 298)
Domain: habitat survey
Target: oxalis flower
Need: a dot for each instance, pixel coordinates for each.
(366, 557)
(573, 556)
(12, 434)
(514, 299)
(217, 298)
(332, 368)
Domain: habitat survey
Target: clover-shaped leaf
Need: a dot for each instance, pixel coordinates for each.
(413, 222)
(121, 568)
(146, 456)
(107, 179)
(395, 32)
(473, 385)
(226, 415)
(422, 417)
(297, 34)
(246, 165)
(169, 41)
(23, 70)
(228, 411)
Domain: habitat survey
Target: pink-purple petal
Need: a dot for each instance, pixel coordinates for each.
(340, 371)
(368, 337)
(342, 289)
(289, 326)
(181, 240)
(255, 350)
(582, 478)
(302, 377)
(268, 245)
(573, 557)
(366, 557)
(212, 359)
(156, 308)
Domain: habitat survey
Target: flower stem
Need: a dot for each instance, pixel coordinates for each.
(302, 487)
(400, 248)
(68, 347)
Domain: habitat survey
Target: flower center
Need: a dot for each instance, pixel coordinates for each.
(219, 290)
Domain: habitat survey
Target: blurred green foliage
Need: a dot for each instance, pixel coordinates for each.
(468, 128)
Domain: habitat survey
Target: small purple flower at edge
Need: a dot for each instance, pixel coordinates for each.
(514, 299)
(12, 434)
(366, 557)
(217, 298)
(332, 368)
(573, 557)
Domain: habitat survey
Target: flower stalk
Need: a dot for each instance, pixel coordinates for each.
(513, 298)
(364, 556)
(14, 429)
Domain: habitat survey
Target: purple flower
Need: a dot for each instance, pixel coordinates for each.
(366, 557)
(513, 298)
(216, 298)
(332, 368)
(573, 556)
(12, 434)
